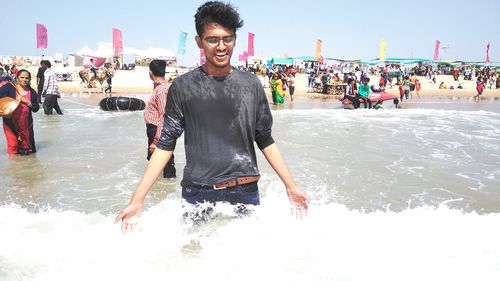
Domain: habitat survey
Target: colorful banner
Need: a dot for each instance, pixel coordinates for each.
(41, 36)
(181, 47)
(243, 57)
(251, 37)
(488, 53)
(436, 50)
(318, 49)
(203, 58)
(382, 50)
(117, 41)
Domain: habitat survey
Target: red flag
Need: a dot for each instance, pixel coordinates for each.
(117, 41)
(436, 50)
(250, 43)
(41, 36)
(203, 59)
(488, 53)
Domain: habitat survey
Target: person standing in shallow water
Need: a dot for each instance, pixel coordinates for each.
(155, 110)
(40, 79)
(50, 91)
(18, 128)
(291, 84)
(222, 111)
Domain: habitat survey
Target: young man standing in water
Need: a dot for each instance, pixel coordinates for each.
(154, 112)
(221, 111)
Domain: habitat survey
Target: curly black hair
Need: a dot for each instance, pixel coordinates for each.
(217, 12)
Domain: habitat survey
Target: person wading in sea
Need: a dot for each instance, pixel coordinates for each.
(222, 111)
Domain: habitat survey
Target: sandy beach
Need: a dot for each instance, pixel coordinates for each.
(137, 82)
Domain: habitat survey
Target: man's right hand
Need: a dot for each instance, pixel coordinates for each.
(152, 148)
(129, 216)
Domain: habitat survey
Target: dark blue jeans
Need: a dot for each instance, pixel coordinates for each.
(241, 194)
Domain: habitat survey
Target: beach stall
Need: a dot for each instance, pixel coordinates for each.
(447, 67)
(345, 65)
(306, 63)
(280, 61)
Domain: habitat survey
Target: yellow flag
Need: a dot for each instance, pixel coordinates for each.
(318, 49)
(382, 50)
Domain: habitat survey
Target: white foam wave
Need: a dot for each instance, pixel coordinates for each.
(333, 243)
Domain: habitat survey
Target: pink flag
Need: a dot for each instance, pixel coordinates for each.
(488, 53)
(436, 50)
(41, 36)
(117, 41)
(250, 44)
(244, 56)
(203, 59)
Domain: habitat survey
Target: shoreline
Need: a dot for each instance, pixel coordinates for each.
(460, 94)
(138, 82)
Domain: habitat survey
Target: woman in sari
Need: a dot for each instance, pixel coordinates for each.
(18, 128)
(280, 92)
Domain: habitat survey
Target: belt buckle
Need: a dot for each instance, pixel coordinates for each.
(218, 188)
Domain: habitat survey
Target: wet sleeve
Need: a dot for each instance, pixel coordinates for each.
(35, 106)
(160, 107)
(173, 120)
(45, 83)
(7, 90)
(264, 120)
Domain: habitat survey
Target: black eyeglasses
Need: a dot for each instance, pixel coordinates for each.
(215, 41)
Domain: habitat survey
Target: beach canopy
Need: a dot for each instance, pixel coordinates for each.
(450, 63)
(85, 51)
(104, 50)
(306, 58)
(343, 60)
(286, 61)
(99, 56)
(369, 62)
(407, 60)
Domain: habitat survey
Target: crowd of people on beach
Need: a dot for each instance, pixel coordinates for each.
(280, 79)
(340, 80)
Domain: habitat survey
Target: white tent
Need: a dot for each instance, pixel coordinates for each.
(150, 53)
(85, 51)
(104, 50)
(82, 57)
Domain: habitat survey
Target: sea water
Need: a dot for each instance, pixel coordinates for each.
(410, 194)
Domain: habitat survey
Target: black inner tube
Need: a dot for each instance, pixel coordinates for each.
(121, 103)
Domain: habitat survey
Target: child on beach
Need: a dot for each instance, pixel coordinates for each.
(401, 91)
(417, 87)
(407, 87)
(479, 88)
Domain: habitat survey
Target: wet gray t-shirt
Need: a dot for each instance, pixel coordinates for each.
(221, 117)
